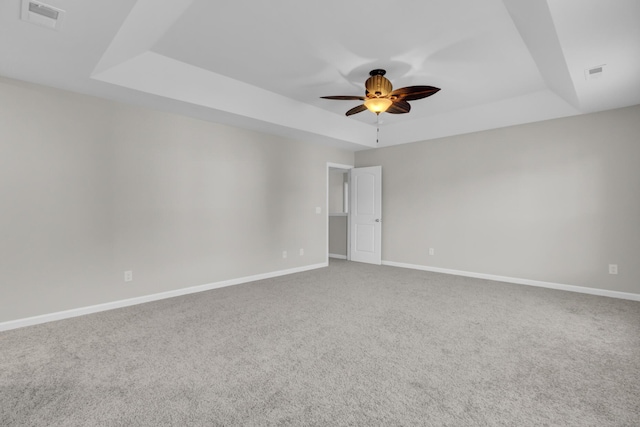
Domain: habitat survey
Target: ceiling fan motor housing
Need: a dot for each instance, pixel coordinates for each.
(380, 98)
(378, 85)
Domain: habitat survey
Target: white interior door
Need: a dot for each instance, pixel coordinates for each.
(365, 214)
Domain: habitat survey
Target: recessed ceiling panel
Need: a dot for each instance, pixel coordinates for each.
(304, 50)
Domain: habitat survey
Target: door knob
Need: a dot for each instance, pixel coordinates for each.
(377, 219)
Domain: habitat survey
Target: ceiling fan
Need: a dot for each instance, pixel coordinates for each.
(380, 96)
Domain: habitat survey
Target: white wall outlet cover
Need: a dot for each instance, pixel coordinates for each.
(284, 254)
(318, 210)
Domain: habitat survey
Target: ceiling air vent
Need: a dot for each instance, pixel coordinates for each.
(42, 14)
(594, 73)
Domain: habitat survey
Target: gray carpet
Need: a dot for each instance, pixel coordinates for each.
(351, 344)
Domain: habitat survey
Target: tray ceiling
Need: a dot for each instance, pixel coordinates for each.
(264, 65)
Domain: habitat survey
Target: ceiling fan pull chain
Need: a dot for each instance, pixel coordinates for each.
(377, 128)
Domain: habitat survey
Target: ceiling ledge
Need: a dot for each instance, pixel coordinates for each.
(509, 112)
(535, 24)
(144, 26)
(159, 75)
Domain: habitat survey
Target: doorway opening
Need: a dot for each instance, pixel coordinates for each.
(338, 211)
(354, 213)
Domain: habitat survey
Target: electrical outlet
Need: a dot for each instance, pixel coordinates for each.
(613, 268)
(301, 251)
(284, 254)
(128, 276)
(318, 210)
(432, 251)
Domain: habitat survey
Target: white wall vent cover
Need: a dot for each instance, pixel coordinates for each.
(42, 14)
(594, 72)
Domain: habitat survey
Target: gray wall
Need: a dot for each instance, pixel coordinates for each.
(337, 224)
(338, 235)
(337, 178)
(91, 188)
(553, 201)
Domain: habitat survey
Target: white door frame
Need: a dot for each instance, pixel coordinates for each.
(326, 208)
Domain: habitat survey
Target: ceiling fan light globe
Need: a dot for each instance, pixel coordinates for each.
(377, 105)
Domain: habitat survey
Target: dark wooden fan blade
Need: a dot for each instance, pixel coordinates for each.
(355, 110)
(399, 106)
(345, 98)
(411, 93)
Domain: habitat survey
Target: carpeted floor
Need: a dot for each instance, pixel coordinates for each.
(351, 344)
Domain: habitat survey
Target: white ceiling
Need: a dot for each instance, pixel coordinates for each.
(265, 65)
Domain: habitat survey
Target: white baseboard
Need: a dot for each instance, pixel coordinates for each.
(559, 286)
(35, 320)
(338, 256)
